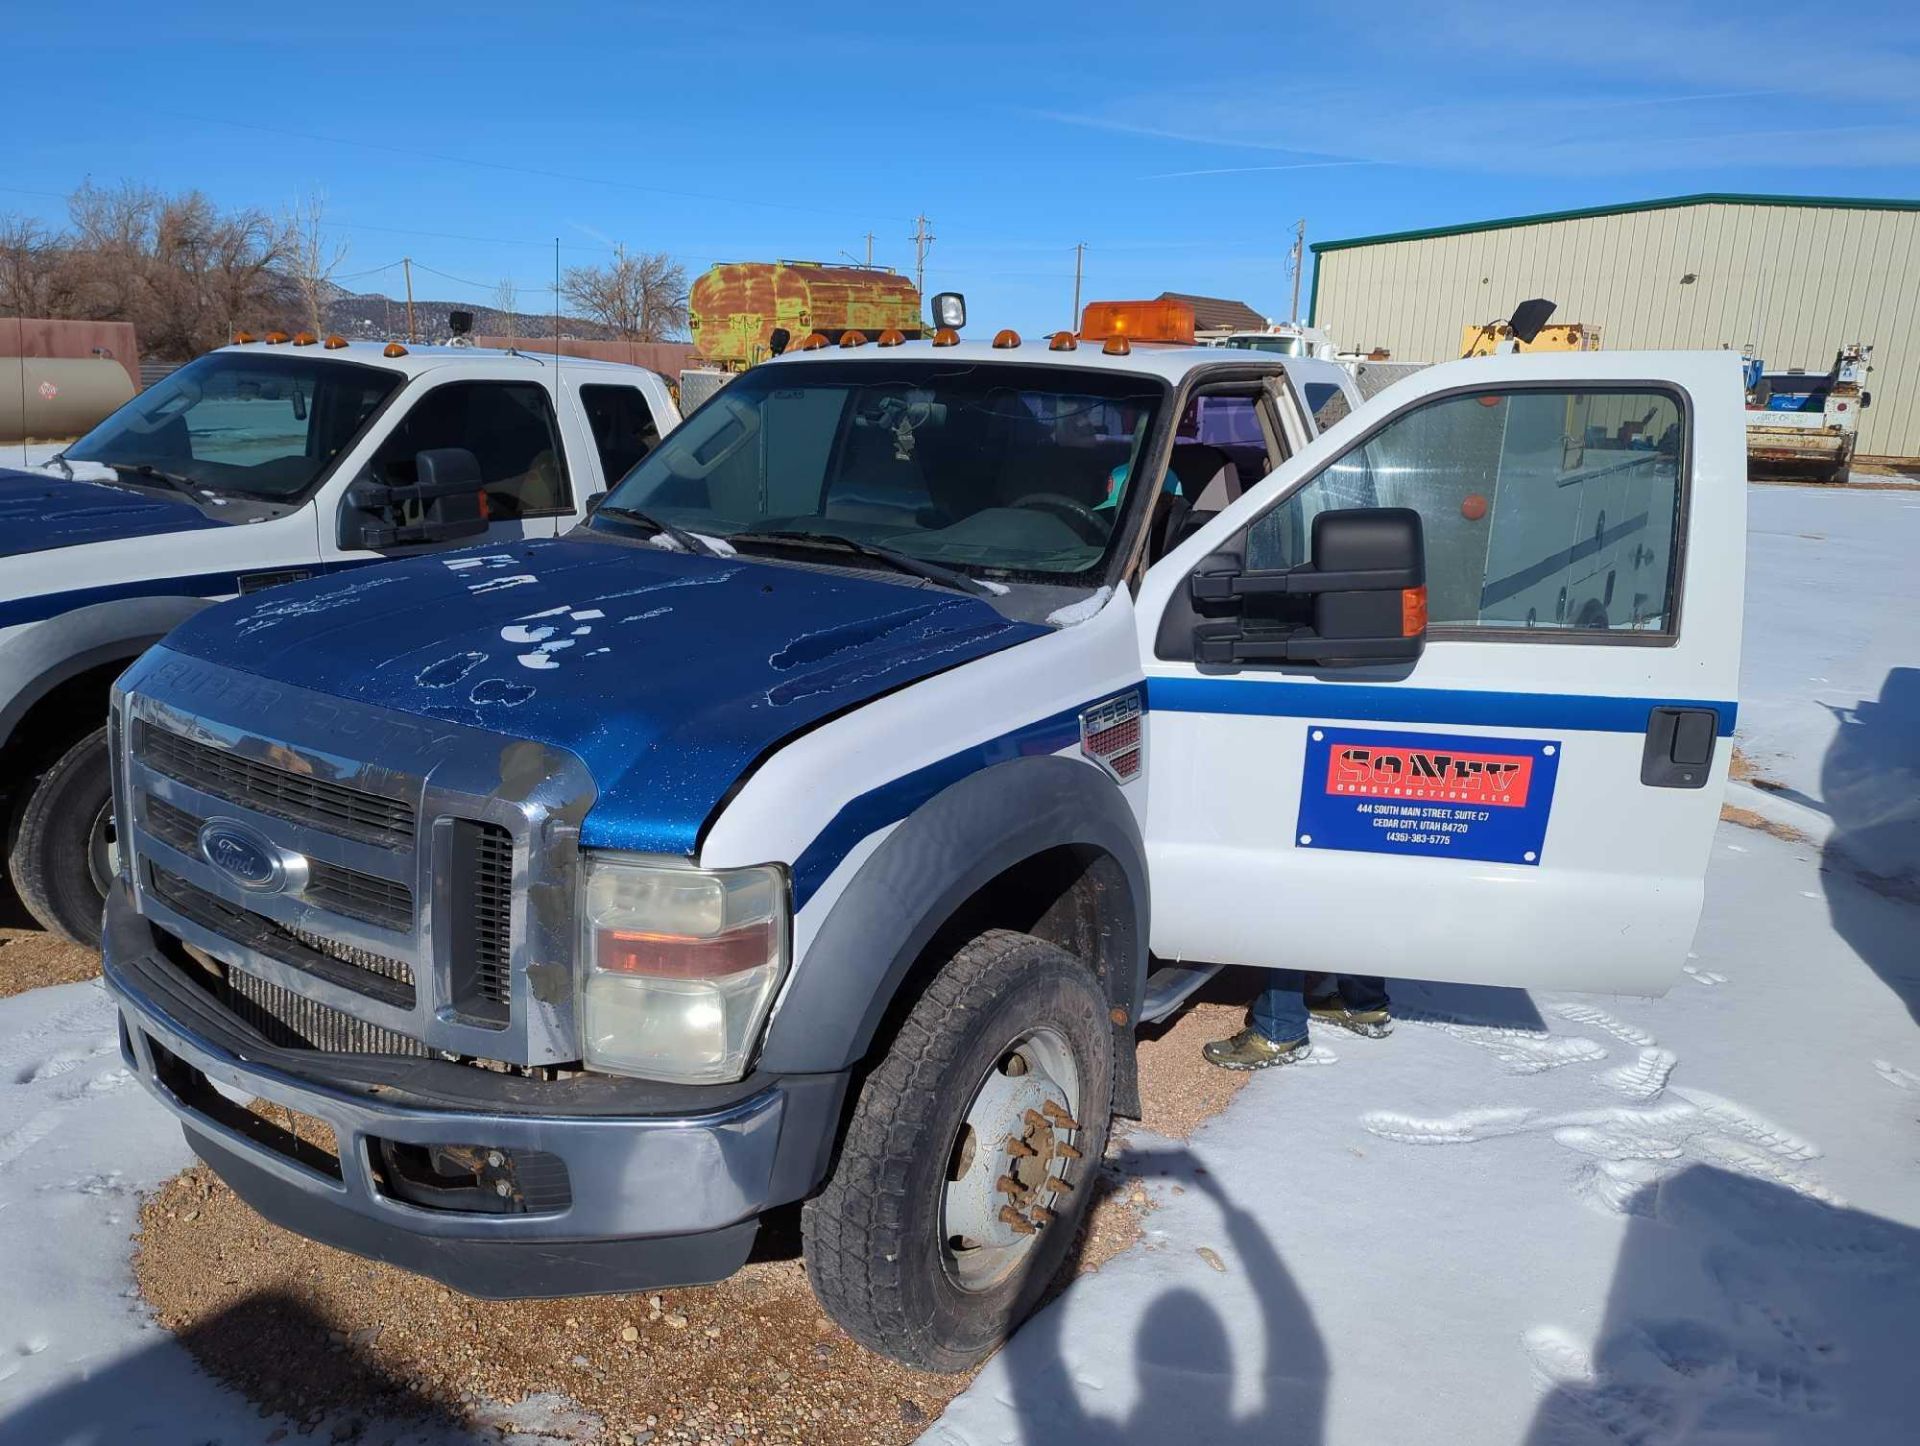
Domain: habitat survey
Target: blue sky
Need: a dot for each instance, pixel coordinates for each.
(1179, 144)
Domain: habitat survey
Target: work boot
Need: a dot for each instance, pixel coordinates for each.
(1250, 1049)
(1372, 1023)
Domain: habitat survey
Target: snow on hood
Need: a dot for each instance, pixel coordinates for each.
(39, 511)
(667, 674)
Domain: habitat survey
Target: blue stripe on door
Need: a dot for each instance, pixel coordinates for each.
(1397, 703)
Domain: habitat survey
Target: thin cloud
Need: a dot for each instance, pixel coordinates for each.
(1247, 170)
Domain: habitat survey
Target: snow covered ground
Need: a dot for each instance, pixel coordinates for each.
(1522, 1219)
(1564, 1219)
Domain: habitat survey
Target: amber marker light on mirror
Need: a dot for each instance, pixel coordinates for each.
(1413, 611)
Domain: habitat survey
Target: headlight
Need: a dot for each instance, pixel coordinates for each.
(681, 966)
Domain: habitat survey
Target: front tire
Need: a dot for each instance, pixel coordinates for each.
(967, 1168)
(60, 855)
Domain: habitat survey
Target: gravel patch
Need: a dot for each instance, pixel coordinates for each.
(31, 958)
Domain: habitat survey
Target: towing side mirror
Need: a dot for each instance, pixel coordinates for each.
(1362, 597)
(444, 503)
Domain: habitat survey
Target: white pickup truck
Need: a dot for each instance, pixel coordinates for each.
(807, 827)
(262, 463)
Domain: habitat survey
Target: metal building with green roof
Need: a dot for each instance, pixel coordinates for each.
(1793, 277)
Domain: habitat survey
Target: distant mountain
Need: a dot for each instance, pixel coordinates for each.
(373, 315)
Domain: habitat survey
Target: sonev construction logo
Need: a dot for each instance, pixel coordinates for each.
(1430, 775)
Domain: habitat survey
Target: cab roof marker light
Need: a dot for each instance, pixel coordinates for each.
(1062, 341)
(946, 336)
(815, 340)
(304, 338)
(851, 339)
(1117, 345)
(334, 343)
(1006, 339)
(393, 348)
(243, 338)
(892, 336)
(274, 338)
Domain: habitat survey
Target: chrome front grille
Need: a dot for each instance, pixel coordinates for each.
(282, 792)
(389, 981)
(385, 902)
(418, 875)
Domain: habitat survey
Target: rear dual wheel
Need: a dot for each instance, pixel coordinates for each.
(966, 1172)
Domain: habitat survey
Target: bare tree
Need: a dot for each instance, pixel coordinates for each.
(506, 301)
(311, 257)
(641, 296)
(183, 272)
(32, 260)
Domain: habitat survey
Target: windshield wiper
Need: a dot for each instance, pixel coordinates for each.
(899, 561)
(61, 459)
(689, 541)
(185, 486)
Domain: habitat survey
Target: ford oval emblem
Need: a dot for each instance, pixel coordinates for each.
(249, 859)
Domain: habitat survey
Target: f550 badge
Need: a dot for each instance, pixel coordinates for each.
(1441, 795)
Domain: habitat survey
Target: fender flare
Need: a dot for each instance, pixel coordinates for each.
(944, 853)
(44, 655)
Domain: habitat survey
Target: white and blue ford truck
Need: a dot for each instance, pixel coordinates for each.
(261, 463)
(811, 829)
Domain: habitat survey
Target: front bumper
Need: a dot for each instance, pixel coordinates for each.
(650, 1198)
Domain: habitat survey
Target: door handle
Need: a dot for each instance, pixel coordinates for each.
(1679, 748)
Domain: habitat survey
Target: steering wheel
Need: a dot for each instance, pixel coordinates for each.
(1077, 515)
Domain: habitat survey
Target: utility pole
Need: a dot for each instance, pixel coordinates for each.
(406, 265)
(921, 238)
(1299, 256)
(869, 250)
(1079, 255)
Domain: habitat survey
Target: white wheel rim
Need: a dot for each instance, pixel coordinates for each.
(1013, 1162)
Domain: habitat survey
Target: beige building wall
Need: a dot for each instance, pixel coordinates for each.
(1796, 281)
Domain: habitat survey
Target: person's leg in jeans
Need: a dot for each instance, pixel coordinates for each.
(1276, 1031)
(1279, 1011)
(1356, 1002)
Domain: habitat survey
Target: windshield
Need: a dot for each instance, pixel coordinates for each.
(993, 467)
(254, 424)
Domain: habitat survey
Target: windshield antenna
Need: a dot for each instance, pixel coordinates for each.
(556, 322)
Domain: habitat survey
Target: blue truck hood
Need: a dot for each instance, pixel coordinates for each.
(38, 512)
(669, 675)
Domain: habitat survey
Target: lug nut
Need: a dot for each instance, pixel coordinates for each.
(1059, 1116)
(1067, 1151)
(1021, 1225)
(1053, 1184)
(1040, 1215)
(1019, 1148)
(1007, 1185)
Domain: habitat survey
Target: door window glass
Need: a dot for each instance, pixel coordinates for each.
(623, 429)
(509, 428)
(1542, 508)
